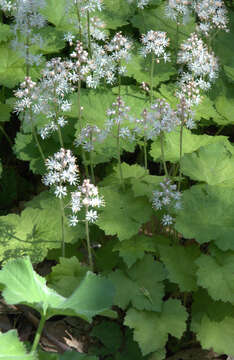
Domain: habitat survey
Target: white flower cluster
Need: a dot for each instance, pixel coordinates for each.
(117, 115)
(168, 199)
(142, 3)
(88, 136)
(212, 14)
(155, 42)
(102, 66)
(119, 47)
(162, 118)
(89, 5)
(62, 170)
(178, 10)
(86, 197)
(200, 62)
(26, 95)
(79, 68)
(48, 96)
(27, 22)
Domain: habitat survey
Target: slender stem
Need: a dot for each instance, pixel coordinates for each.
(91, 167)
(145, 153)
(79, 123)
(79, 21)
(88, 242)
(119, 158)
(27, 49)
(38, 333)
(6, 136)
(89, 35)
(151, 78)
(181, 151)
(162, 153)
(62, 226)
(60, 137)
(119, 78)
(145, 141)
(36, 137)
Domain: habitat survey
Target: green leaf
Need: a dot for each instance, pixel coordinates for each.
(154, 19)
(6, 33)
(24, 286)
(134, 249)
(110, 334)
(151, 330)
(217, 335)
(11, 348)
(138, 286)
(212, 163)
(12, 69)
(139, 68)
(123, 214)
(66, 276)
(191, 142)
(180, 264)
(229, 71)
(204, 305)
(5, 112)
(215, 275)
(35, 230)
(55, 13)
(207, 215)
(116, 13)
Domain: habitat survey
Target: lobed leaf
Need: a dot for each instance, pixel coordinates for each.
(151, 329)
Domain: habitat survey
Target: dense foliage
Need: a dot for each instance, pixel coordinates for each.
(117, 165)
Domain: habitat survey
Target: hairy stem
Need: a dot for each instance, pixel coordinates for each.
(89, 35)
(36, 137)
(79, 123)
(62, 226)
(38, 334)
(119, 158)
(151, 78)
(79, 21)
(88, 242)
(162, 154)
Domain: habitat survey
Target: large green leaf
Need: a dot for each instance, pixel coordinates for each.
(215, 275)
(180, 264)
(140, 69)
(12, 69)
(207, 215)
(55, 13)
(217, 335)
(67, 275)
(123, 215)
(213, 164)
(11, 348)
(116, 13)
(154, 19)
(22, 285)
(134, 249)
(151, 329)
(191, 142)
(35, 230)
(138, 286)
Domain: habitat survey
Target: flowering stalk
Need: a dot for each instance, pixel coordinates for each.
(86, 196)
(62, 169)
(162, 153)
(151, 78)
(154, 43)
(79, 122)
(89, 36)
(88, 239)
